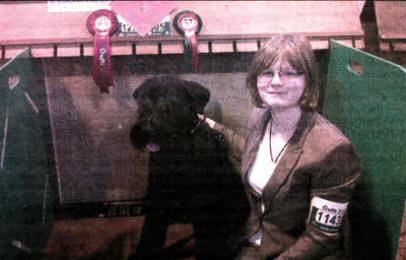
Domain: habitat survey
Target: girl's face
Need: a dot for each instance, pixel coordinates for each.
(281, 85)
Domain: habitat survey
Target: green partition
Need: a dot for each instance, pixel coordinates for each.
(25, 185)
(366, 97)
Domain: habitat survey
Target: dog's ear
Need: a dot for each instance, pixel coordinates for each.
(153, 87)
(200, 95)
(145, 88)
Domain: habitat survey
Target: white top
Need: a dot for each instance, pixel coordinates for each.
(263, 167)
(260, 173)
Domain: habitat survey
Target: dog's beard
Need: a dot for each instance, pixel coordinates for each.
(139, 137)
(155, 140)
(159, 131)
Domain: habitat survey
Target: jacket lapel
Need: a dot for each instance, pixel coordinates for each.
(290, 157)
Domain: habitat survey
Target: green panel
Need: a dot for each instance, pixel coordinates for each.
(25, 195)
(369, 106)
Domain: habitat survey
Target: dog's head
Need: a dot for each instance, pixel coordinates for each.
(167, 109)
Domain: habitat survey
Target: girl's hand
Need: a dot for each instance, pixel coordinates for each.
(209, 121)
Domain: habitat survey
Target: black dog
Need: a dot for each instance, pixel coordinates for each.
(191, 178)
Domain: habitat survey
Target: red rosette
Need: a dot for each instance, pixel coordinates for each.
(189, 24)
(102, 24)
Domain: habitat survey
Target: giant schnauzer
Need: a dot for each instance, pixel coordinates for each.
(191, 179)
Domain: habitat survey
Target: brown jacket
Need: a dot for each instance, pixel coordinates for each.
(320, 162)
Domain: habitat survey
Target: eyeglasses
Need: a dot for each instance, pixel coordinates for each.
(268, 75)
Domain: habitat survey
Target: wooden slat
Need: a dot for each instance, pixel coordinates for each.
(42, 51)
(12, 51)
(250, 17)
(172, 48)
(203, 47)
(399, 46)
(319, 44)
(247, 46)
(121, 49)
(224, 21)
(175, 38)
(146, 49)
(360, 44)
(219, 18)
(391, 23)
(384, 46)
(222, 46)
(88, 50)
(391, 19)
(70, 50)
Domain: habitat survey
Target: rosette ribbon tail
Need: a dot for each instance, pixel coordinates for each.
(194, 52)
(102, 65)
(188, 54)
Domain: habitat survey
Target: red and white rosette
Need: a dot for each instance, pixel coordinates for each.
(102, 24)
(189, 24)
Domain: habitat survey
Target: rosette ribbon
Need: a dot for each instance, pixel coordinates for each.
(102, 24)
(189, 24)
